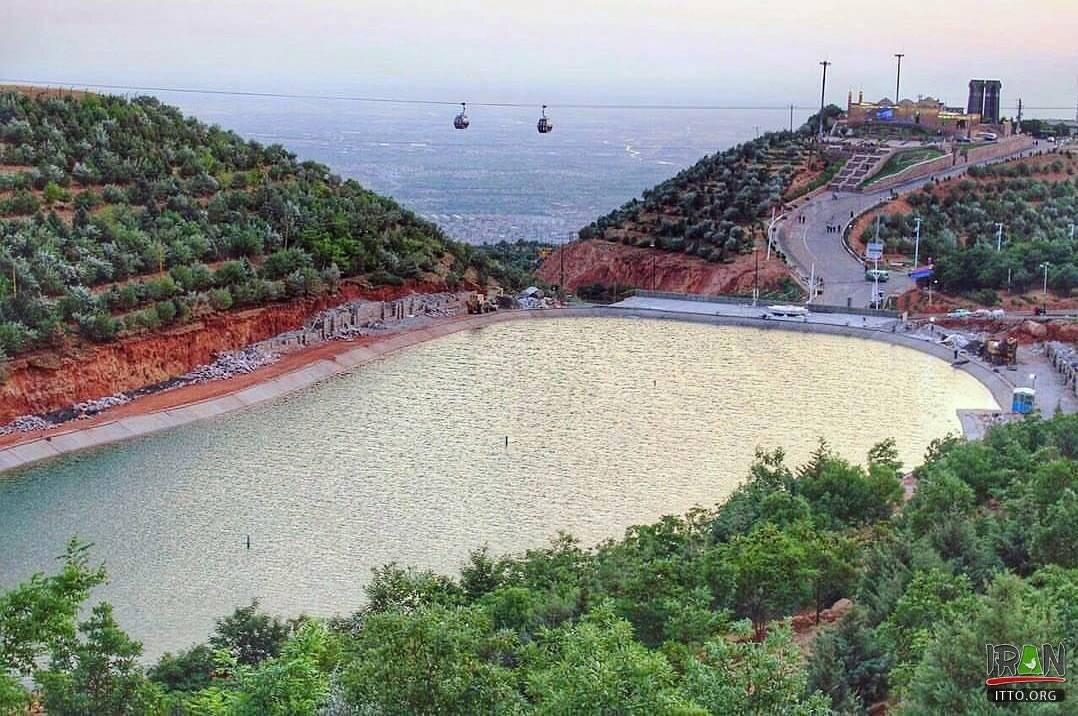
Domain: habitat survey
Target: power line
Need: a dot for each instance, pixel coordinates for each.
(385, 100)
(50, 84)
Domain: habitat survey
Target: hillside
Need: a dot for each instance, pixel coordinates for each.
(1036, 200)
(712, 209)
(687, 615)
(713, 212)
(124, 217)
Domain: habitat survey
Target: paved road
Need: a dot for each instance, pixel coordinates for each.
(736, 310)
(842, 274)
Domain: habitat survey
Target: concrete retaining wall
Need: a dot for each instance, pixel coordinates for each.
(133, 426)
(963, 156)
(1064, 359)
(921, 169)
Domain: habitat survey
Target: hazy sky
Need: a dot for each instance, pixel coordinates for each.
(699, 51)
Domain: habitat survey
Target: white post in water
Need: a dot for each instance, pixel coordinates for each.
(917, 242)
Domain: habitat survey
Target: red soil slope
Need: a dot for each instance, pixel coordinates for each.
(607, 263)
(45, 381)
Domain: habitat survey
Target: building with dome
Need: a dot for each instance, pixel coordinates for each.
(927, 113)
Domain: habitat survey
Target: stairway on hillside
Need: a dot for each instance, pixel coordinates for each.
(858, 168)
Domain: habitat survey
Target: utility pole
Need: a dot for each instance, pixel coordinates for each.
(653, 264)
(1045, 267)
(823, 92)
(561, 281)
(999, 237)
(917, 242)
(791, 119)
(1018, 130)
(898, 78)
(756, 277)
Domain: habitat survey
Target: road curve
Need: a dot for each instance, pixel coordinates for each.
(810, 244)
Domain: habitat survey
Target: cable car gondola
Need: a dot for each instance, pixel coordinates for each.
(545, 126)
(461, 120)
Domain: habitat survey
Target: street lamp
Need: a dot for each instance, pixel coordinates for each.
(770, 231)
(999, 237)
(1045, 267)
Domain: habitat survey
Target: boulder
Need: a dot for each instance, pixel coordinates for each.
(1033, 329)
(841, 607)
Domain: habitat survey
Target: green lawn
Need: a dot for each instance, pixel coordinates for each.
(903, 160)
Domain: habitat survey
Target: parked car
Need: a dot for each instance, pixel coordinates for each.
(881, 274)
(960, 313)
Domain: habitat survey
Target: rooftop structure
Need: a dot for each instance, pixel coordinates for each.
(928, 113)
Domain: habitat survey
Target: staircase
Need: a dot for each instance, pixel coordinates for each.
(858, 168)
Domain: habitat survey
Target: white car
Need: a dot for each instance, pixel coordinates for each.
(960, 313)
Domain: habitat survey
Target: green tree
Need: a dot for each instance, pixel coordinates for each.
(948, 676)
(249, 635)
(39, 615)
(98, 674)
(433, 660)
(771, 568)
(595, 666)
(744, 677)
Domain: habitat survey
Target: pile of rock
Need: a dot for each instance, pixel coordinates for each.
(25, 424)
(93, 407)
(227, 365)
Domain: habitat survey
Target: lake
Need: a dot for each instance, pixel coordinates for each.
(611, 422)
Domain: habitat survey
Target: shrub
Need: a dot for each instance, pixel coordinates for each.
(98, 327)
(283, 263)
(221, 299)
(166, 311)
(14, 337)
